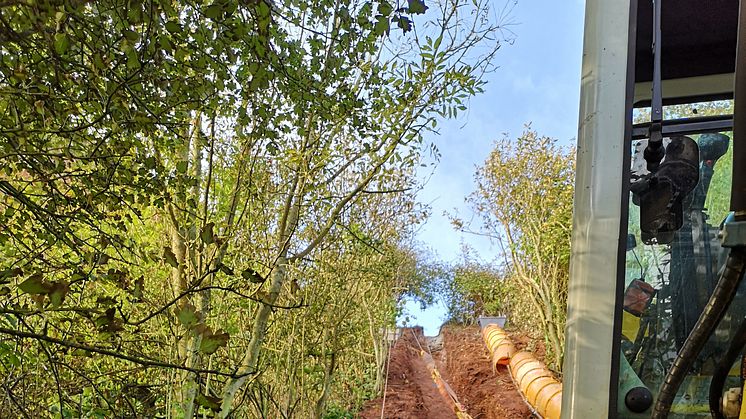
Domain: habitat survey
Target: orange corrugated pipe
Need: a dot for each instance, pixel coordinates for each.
(499, 344)
(535, 381)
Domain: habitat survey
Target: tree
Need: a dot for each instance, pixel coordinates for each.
(475, 289)
(524, 199)
(174, 170)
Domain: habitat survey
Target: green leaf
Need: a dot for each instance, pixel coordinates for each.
(207, 235)
(417, 7)
(208, 402)
(405, 24)
(133, 61)
(103, 259)
(170, 257)
(58, 292)
(252, 276)
(137, 291)
(61, 43)
(226, 270)
(106, 301)
(437, 42)
(187, 314)
(214, 11)
(165, 43)
(273, 148)
(9, 273)
(173, 27)
(211, 342)
(35, 284)
(382, 26)
(107, 323)
(149, 162)
(181, 166)
(101, 321)
(8, 354)
(131, 35)
(80, 352)
(385, 8)
(77, 276)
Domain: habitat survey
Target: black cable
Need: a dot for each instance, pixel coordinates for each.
(642, 269)
(723, 368)
(708, 321)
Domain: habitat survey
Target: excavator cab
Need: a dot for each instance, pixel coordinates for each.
(656, 305)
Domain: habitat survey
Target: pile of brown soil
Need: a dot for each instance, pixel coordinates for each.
(463, 361)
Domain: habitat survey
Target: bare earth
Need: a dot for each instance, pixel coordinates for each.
(464, 363)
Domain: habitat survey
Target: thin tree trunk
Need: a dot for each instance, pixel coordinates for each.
(258, 333)
(328, 378)
(190, 387)
(250, 360)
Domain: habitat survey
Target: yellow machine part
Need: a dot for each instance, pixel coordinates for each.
(630, 326)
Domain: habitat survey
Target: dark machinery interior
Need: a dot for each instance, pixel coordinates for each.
(698, 39)
(684, 305)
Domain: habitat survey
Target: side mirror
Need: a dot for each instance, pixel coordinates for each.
(660, 194)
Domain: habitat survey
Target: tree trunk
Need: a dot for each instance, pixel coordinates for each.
(258, 333)
(328, 379)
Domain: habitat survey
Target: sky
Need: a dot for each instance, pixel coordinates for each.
(537, 82)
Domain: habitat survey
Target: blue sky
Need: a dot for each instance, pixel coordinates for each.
(537, 82)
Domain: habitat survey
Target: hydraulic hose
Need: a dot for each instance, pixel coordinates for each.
(723, 368)
(713, 312)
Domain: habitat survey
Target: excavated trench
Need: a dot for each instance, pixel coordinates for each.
(463, 362)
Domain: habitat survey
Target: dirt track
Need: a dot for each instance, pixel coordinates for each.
(411, 393)
(463, 362)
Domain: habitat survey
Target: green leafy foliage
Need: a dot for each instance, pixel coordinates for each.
(211, 342)
(417, 7)
(524, 199)
(187, 315)
(7, 274)
(35, 284)
(207, 235)
(154, 149)
(57, 293)
(252, 276)
(170, 257)
(210, 402)
(475, 289)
